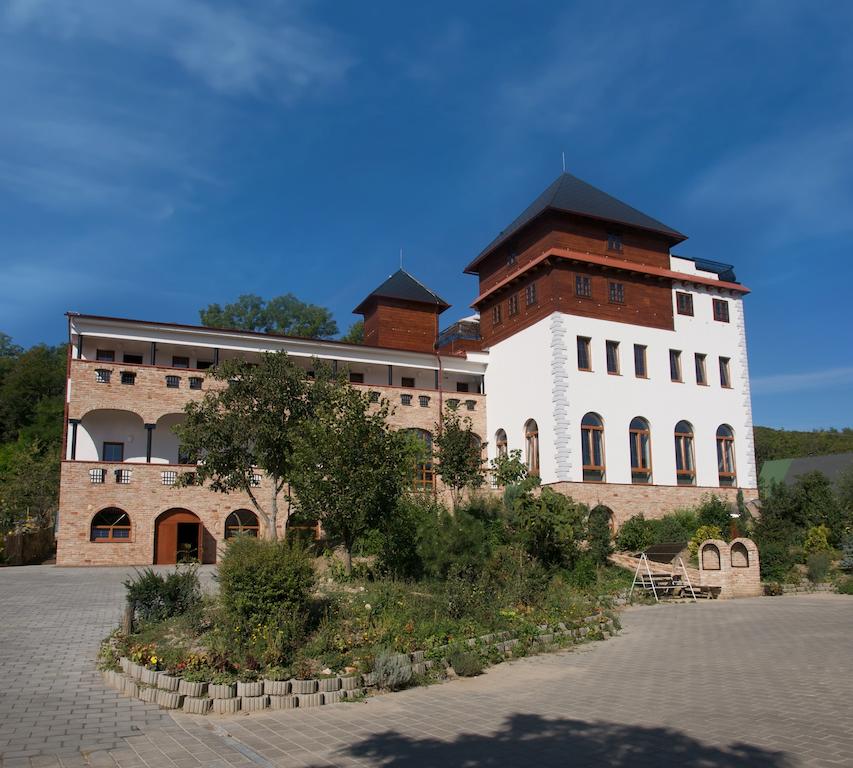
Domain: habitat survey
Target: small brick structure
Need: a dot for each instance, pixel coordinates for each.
(733, 567)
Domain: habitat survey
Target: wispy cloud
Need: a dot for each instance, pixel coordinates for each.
(259, 48)
(829, 378)
(793, 185)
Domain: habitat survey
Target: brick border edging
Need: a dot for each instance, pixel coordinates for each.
(170, 692)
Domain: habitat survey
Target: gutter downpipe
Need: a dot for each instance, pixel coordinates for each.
(440, 405)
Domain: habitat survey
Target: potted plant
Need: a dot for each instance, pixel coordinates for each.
(276, 681)
(248, 684)
(223, 685)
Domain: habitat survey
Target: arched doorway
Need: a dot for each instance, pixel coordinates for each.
(179, 536)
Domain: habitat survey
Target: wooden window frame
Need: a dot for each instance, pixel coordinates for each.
(173, 381)
(423, 473)
(530, 294)
(196, 382)
(725, 373)
(404, 379)
(180, 366)
(684, 447)
(497, 315)
(726, 468)
(614, 345)
(356, 377)
(593, 473)
(128, 378)
(585, 343)
(512, 305)
(583, 286)
(105, 355)
(642, 349)
(701, 369)
(721, 311)
(111, 538)
(677, 375)
(635, 438)
(687, 308)
(616, 293)
(531, 447)
(501, 443)
(231, 531)
(614, 242)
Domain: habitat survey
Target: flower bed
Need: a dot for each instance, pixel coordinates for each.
(398, 670)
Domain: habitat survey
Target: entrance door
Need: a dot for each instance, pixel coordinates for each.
(178, 537)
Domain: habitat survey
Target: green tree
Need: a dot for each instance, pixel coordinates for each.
(35, 375)
(350, 468)
(550, 526)
(459, 454)
(355, 334)
(598, 534)
(29, 484)
(283, 314)
(508, 469)
(249, 424)
(7, 347)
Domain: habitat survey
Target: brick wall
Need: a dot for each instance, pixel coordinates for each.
(733, 566)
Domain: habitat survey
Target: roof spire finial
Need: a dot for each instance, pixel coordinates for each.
(564, 162)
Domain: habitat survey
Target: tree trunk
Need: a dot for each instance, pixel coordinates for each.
(348, 559)
(273, 531)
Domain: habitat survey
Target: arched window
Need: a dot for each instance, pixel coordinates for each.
(501, 443)
(111, 524)
(242, 522)
(531, 445)
(685, 464)
(640, 439)
(592, 448)
(726, 455)
(423, 478)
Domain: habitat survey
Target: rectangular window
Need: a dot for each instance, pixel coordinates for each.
(617, 293)
(701, 376)
(180, 362)
(97, 475)
(721, 310)
(374, 396)
(170, 477)
(531, 294)
(470, 404)
(453, 403)
(684, 303)
(105, 355)
(640, 370)
(583, 286)
(613, 357)
(407, 381)
(128, 377)
(356, 378)
(675, 365)
(614, 242)
(584, 359)
(462, 386)
(113, 452)
(512, 305)
(203, 365)
(423, 401)
(173, 382)
(132, 359)
(195, 382)
(496, 314)
(123, 476)
(725, 375)
(406, 399)
(102, 375)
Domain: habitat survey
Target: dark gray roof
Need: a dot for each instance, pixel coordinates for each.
(788, 470)
(570, 194)
(402, 286)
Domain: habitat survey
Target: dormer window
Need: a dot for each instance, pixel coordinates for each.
(614, 242)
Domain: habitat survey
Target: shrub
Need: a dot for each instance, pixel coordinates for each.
(845, 587)
(466, 663)
(455, 543)
(393, 670)
(773, 589)
(598, 534)
(634, 535)
(157, 597)
(817, 565)
(549, 526)
(714, 511)
(702, 533)
(259, 580)
(775, 560)
(513, 576)
(675, 527)
(846, 563)
(816, 540)
(585, 572)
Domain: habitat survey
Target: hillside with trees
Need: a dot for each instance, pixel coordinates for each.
(786, 444)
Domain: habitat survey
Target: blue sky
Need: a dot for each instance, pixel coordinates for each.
(158, 155)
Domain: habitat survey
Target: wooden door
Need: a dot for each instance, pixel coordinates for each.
(166, 535)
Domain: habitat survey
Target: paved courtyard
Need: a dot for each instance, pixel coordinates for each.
(764, 682)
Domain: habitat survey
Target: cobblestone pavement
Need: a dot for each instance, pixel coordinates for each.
(765, 682)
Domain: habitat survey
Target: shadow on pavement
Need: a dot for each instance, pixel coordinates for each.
(538, 741)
